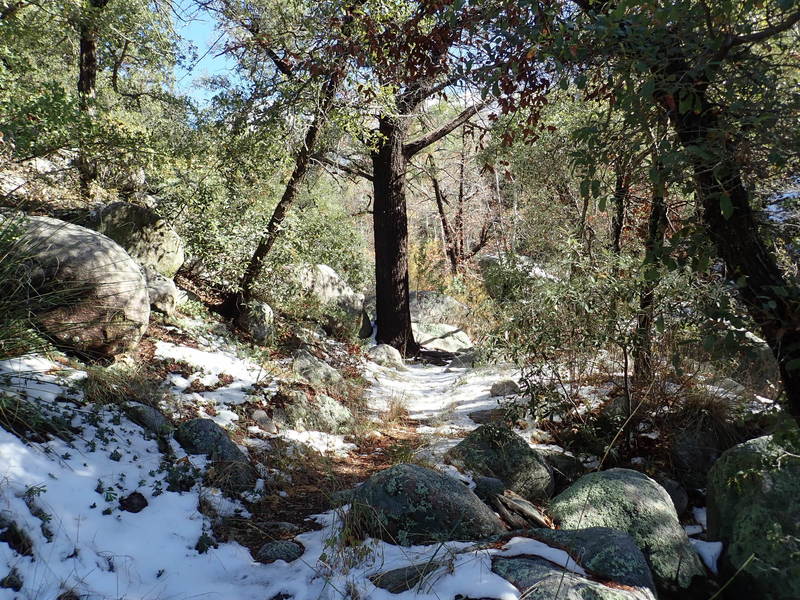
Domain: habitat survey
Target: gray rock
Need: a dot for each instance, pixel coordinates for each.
(567, 468)
(441, 336)
(326, 287)
(148, 418)
(230, 469)
(408, 504)
(147, 237)
(680, 499)
(101, 306)
(464, 360)
(539, 579)
(387, 356)
(606, 553)
(264, 421)
(428, 306)
(488, 416)
(693, 452)
(162, 291)
(404, 579)
(496, 451)
(505, 387)
(279, 550)
(632, 502)
(318, 373)
(322, 413)
(258, 319)
(488, 487)
(754, 509)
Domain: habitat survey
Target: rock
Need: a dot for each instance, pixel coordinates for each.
(435, 307)
(465, 360)
(264, 421)
(488, 416)
(258, 319)
(632, 502)
(680, 499)
(608, 554)
(566, 467)
(162, 291)
(506, 387)
(440, 336)
(693, 453)
(539, 579)
(504, 276)
(133, 503)
(279, 550)
(488, 487)
(320, 413)
(754, 509)
(327, 287)
(408, 504)
(148, 238)
(12, 581)
(496, 451)
(100, 302)
(404, 579)
(230, 470)
(148, 418)
(387, 356)
(318, 373)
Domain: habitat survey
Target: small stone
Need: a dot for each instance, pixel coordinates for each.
(133, 503)
(279, 550)
(506, 387)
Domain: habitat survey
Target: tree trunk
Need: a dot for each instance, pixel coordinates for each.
(447, 231)
(772, 301)
(621, 194)
(87, 86)
(232, 307)
(642, 340)
(390, 226)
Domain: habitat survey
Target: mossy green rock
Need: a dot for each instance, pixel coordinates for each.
(494, 450)
(408, 504)
(539, 579)
(754, 509)
(632, 502)
(607, 553)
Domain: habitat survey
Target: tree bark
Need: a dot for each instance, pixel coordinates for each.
(447, 231)
(390, 227)
(771, 299)
(87, 86)
(621, 194)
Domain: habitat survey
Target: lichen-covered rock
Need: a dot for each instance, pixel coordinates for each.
(147, 237)
(101, 307)
(632, 502)
(693, 452)
(320, 413)
(408, 504)
(162, 291)
(496, 451)
(387, 356)
(567, 467)
(539, 579)
(279, 550)
(441, 336)
(607, 553)
(317, 372)
(258, 319)
(754, 509)
(148, 418)
(230, 470)
(504, 387)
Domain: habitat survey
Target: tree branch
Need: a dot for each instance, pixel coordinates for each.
(411, 148)
(355, 170)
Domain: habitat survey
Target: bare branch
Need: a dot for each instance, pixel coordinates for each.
(411, 148)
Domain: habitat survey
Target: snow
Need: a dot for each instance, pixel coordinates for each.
(519, 546)
(700, 516)
(709, 553)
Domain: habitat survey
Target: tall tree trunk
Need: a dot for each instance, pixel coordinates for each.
(390, 227)
(657, 225)
(233, 305)
(87, 85)
(447, 231)
(771, 299)
(622, 189)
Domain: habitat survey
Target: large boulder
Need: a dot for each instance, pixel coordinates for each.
(441, 336)
(408, 504)
(693, 452)
(539, 579)
(147, 237)
(754, 509)
(326, 287)
(632, 502)
(496, 451)
(435, 307)
(317, 372)
(100, 305)
(320, 413)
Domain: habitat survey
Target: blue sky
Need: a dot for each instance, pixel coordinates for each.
(199, 28)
